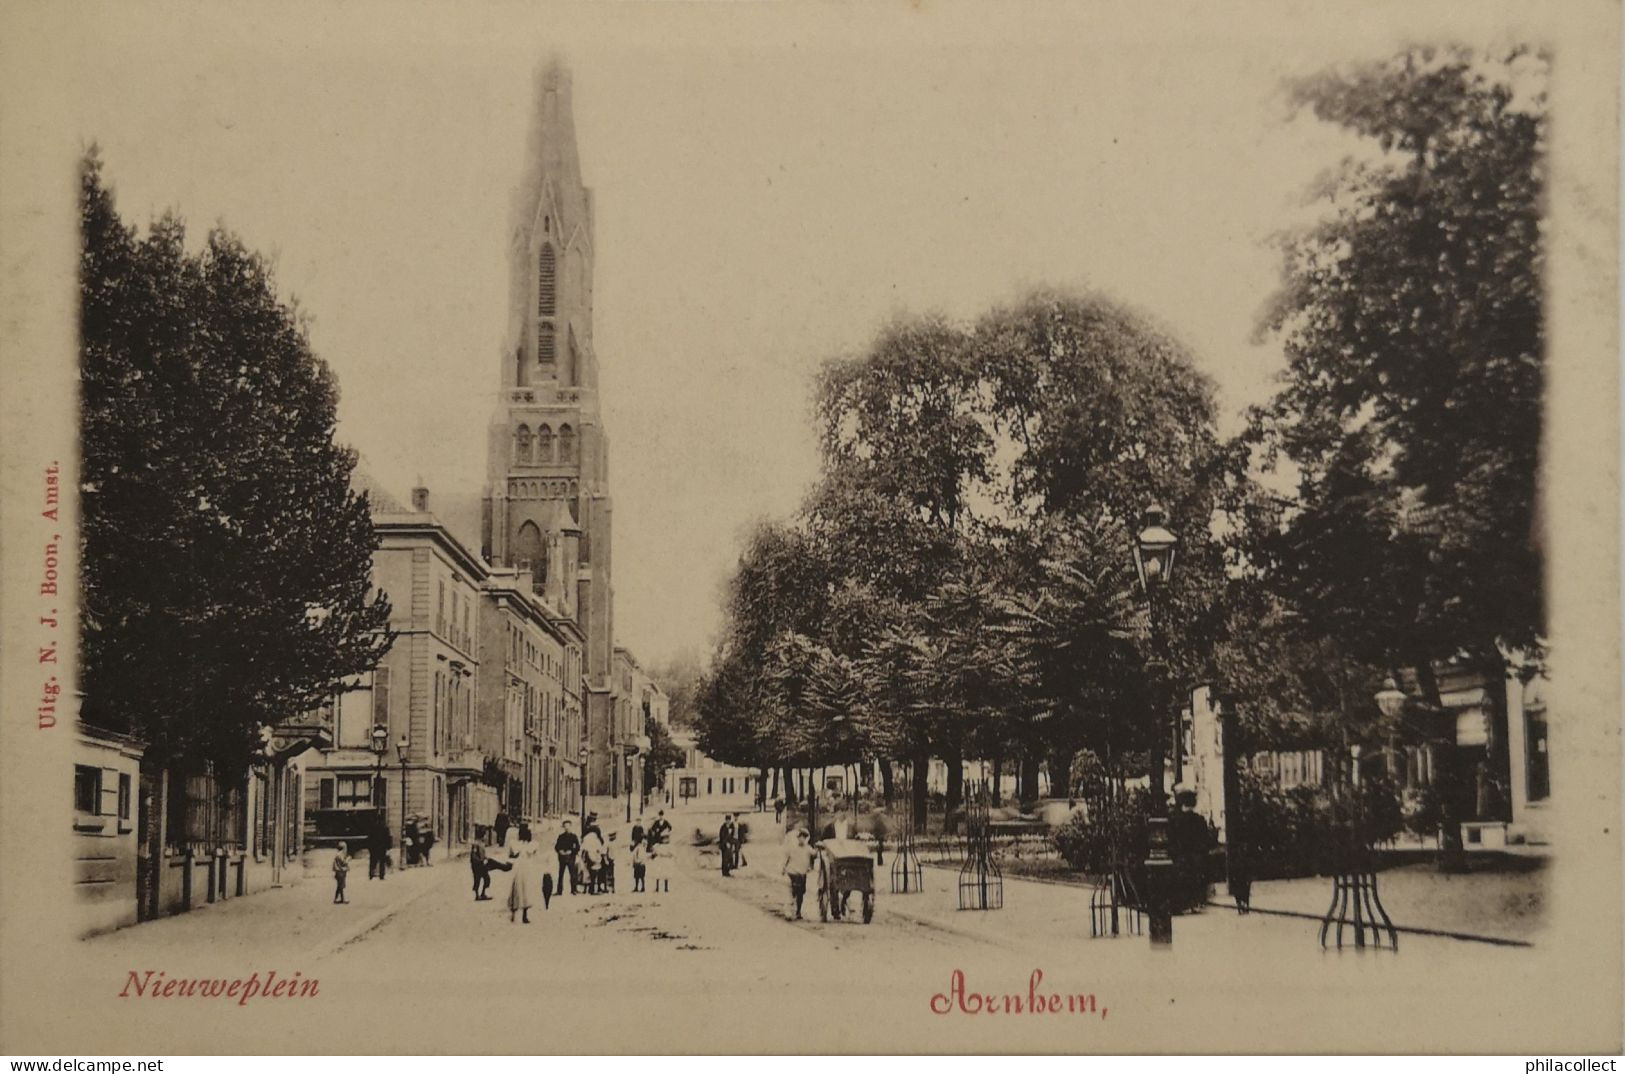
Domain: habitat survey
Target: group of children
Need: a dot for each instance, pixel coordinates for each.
(597, 862)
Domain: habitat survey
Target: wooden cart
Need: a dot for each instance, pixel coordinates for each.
(845, 867)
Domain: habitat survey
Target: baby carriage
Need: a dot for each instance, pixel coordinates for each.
(606, 874)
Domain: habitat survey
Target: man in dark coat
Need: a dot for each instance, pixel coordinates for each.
(660, 829)
(567, 846)
(502, 825)
(378, 843)
(728, 843)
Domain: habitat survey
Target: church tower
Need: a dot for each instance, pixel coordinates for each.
(547, 505)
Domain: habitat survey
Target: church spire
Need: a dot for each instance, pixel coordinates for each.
(551, 259)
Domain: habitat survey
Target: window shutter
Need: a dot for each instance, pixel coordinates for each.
(108, 806)
(124, 796)
(327, 793)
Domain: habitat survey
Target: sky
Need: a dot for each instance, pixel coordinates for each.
(771, 185)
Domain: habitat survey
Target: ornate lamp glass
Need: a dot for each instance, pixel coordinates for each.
(1154, 549)
(380, 738)
(1391, 699)
(401, 746)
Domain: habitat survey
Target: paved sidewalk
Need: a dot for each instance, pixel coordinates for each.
(298, 920)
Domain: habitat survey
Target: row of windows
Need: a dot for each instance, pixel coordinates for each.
(453, 711)
(689, 786)
(455, 628)
(539, 448)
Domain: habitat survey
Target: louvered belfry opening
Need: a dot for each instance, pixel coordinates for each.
(546, 305)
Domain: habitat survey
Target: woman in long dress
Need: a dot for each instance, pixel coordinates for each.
(520, 851)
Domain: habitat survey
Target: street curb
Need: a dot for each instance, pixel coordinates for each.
(329, 944)
(1413, 930)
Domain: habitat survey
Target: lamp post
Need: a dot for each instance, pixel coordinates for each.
(582, 756)
(401, 748)
(630, 758)
(1154, 553)
(380, 745)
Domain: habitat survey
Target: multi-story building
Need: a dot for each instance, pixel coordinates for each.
(403, 735)
(547, 504)
(630, 703)
(529, 699)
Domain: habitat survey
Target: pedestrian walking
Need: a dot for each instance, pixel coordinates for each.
(640, 865)
(638, 830)
(341, 870)
(521, 853)
(502, 824)
(660, 830)
(728, 842)
(378, 844)
(659, 863)
(778, 811)
(592, 858)
(1241, 878)
(799, 859)
(481, 868)
(606, 871)
(567, 846)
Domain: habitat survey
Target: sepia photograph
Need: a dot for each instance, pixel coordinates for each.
(924, 527)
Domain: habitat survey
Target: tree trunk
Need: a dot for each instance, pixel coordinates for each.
(761, 788)
(1060, 773)
(922, 767)
(886, 780)
(1029, 779)
(998, 778)
(955, 761)
(775, 781)
(790, 796)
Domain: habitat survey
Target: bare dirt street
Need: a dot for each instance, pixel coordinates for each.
(414, 957)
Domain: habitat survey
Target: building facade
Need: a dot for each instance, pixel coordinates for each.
(706, 783)
(547, 507)
(403, 737)
(529, 700)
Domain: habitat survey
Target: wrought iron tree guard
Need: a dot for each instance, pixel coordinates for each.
(907, 877)
(1114, 903)
(1355, 904)
(981, 883)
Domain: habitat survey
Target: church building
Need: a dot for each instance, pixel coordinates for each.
(547, 506)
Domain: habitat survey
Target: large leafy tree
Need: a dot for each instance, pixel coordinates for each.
(1101, 413)
(1412, 319)
(1410, 410)
(226, 560)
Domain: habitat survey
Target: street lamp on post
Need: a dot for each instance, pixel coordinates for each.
(1154, 554)
(380, 746)
(402, 746)
(582, 756)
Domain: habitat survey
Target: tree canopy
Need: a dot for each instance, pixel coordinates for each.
(226, 560)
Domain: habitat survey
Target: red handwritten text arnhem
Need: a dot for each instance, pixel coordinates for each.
(963, 1001)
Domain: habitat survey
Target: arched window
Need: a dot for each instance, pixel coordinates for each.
(567, 444)
(544, 444)
(546, 282)
(530, 552)
(521, 444)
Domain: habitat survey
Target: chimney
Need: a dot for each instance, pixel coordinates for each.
(420, 498)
